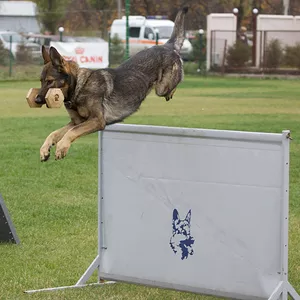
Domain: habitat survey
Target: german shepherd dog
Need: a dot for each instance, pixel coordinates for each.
(96, 98)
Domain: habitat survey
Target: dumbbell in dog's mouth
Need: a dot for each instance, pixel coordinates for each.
(54, 98)
(41, 100)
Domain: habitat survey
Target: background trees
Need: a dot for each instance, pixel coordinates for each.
(99, 14)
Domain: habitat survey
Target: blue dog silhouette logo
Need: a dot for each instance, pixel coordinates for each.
(181, 240)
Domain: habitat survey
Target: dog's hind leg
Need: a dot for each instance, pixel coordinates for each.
(84, 128)
(55, 136)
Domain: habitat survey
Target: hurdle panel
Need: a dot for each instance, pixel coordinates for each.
(235, 184)
(196, 210)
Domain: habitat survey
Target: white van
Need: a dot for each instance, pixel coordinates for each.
(142, 33)
(16, 41)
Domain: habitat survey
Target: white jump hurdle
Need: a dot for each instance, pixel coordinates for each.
(196, 210)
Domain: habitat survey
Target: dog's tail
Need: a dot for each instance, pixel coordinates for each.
(177, 37)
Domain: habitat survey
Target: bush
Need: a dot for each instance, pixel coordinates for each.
(23, 55)
(274, 54)
(4, 55)
(292, 56)
(192, 68)
(116, 51)
(238, 55)
(195, 56)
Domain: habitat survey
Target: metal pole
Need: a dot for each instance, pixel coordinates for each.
(264, 49)
(212, 44)
(119, 8)
(286, 4)
(156, 36)
(235, 11)
(109, 47)
(127, 8)
(10, 55)
(254, 30)
(224, 57)
(201, 31)
(200, 52)
(61, 30)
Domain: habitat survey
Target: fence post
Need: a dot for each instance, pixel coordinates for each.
(260, 48)
(201, 32)
(61, 31)
(224, 57)
(264, 50)
(212, 36)
(10, 55)
(156, 36)
(254, 31)
(127, 7)
(109, 47)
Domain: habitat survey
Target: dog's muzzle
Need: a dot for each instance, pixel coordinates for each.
(40, 100)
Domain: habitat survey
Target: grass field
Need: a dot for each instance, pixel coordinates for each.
(54, 205)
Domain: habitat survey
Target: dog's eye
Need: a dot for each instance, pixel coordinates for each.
(49, 82)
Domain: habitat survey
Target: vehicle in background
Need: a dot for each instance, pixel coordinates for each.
(41, 39)
(18, 40)
(89, 39)
(142, 33)
(45, 39)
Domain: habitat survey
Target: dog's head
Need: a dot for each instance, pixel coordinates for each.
(181, 226)
(56, 73)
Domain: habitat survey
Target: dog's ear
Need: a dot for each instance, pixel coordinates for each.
(175, 215)
(57, 60)
(188, 217)
(45, 55)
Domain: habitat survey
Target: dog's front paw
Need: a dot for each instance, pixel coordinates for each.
(62, 149)
(44, 153)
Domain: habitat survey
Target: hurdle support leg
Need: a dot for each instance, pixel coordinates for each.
(81, 282)
(89, 271)
(292, 292)
(282, 291)
(277, 292)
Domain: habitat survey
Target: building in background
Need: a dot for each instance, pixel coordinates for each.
(18, 16)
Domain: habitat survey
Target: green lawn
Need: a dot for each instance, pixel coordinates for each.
(54, 204)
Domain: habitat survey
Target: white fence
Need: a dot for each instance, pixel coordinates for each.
(197, 210)
(215, 44)
(222, 27)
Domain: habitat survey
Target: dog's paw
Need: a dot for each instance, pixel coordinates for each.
(62, 149)
(170, 95)
(44, 153)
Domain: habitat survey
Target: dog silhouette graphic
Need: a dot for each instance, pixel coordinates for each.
(181, 240)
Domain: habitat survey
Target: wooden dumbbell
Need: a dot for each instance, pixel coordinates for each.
(31, 95)
(54, 98)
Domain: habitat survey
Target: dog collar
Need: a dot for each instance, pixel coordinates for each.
(68, 104)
